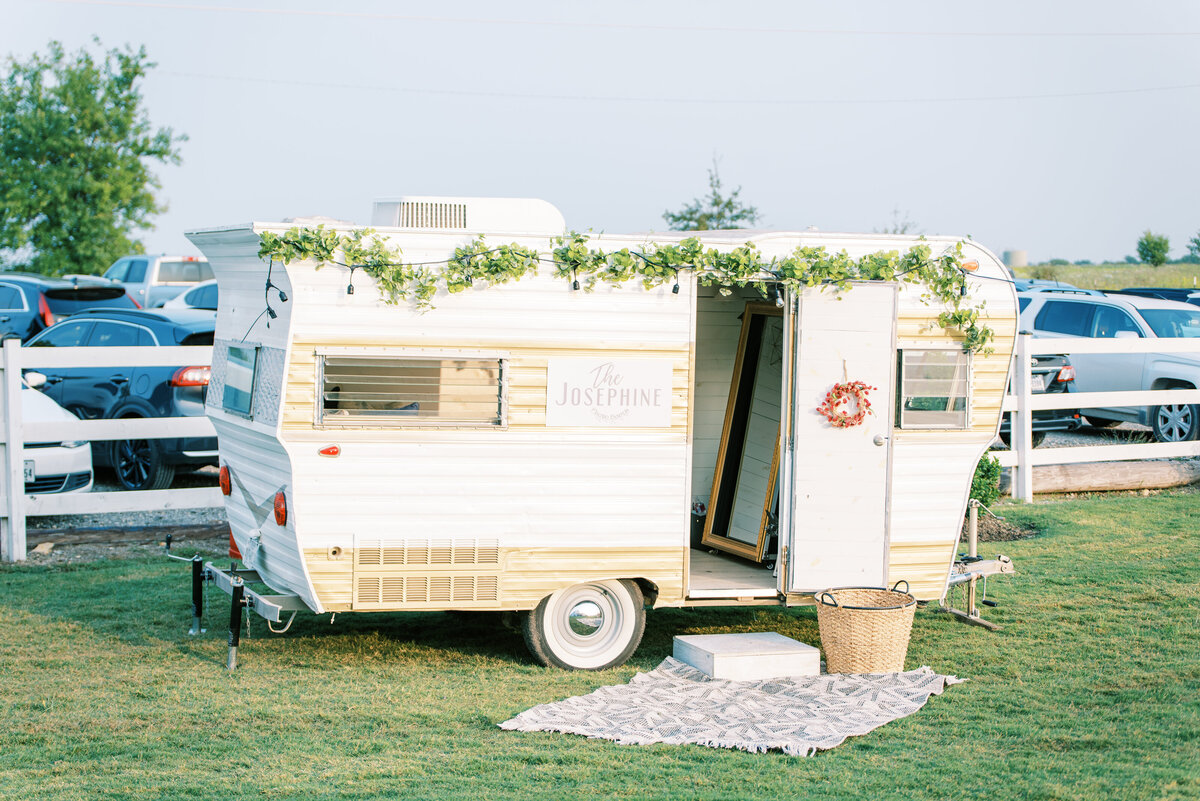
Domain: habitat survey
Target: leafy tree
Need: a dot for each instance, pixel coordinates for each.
(715, 212)
(1193, 255)
(74, 180)
(899, 226)
(1153, 248)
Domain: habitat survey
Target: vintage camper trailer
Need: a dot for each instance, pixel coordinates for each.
(538, 448)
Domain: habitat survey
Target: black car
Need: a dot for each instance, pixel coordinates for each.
(1050, 374)
(114, 392)
(1182, 295)
(30, 303)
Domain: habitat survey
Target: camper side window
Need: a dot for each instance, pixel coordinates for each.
(934, 388)
(411, 391)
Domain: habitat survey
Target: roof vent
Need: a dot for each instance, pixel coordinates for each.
(483, 215)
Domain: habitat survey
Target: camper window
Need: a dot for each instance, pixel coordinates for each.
(934, 388)
(410, 390)
(238, 395)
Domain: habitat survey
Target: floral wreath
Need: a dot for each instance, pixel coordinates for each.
(836, 401)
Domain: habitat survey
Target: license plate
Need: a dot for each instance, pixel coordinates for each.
(1038, 384)
(29, 471)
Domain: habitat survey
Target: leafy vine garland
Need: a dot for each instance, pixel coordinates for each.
(942, 277)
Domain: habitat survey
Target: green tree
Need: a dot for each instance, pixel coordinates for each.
(1153, 249)
(74, 176)
(1193, 255)
(715, 212)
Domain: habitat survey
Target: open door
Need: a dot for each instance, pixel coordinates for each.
(837, 479)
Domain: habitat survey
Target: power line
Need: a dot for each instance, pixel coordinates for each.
(744, 101)
(164, 6)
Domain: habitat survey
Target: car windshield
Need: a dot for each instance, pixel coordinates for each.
(1173, 322)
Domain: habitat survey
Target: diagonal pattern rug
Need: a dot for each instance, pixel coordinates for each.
(675, 703)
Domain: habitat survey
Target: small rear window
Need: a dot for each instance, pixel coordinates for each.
(182, 271)
(11, 297)
(68, 300)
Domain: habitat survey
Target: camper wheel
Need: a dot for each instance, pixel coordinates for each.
(588, 626)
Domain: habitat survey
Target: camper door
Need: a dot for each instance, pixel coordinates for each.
(838, 477)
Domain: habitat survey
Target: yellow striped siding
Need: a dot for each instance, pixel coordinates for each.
(526, 378)
(925, 566)
(526, 576)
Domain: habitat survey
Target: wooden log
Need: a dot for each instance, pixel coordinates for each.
(1112, 476)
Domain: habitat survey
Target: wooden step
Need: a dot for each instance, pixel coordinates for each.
(748, 657)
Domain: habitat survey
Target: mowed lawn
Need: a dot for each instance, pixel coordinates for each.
(1091, 691)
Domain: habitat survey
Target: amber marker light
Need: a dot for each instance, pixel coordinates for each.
(224, 481)
(970, 266)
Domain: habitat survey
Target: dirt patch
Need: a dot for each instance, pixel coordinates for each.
(76, 546)
(992, 529)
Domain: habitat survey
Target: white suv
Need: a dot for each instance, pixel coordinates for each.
(1051, 315)
(153, 280)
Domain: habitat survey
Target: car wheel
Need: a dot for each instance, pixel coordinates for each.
(1101, 422)
(1038, 438)
(1177, 422)
(589, 626)
(139, 465)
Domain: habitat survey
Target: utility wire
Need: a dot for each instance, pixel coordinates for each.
(727, 101)
(621, 25)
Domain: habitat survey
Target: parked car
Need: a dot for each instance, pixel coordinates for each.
(1181, 295)
(202, 296)
(151, 280)
(1050, 374)
(1052, 315)
(30, 302)
(114, 392)
(57, 466)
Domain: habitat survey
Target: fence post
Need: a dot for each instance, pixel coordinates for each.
(1021, 426)
(12, 474)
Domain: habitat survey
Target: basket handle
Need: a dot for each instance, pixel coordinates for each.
(895, 587)
(831, 602)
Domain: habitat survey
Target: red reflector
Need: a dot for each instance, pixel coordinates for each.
(234, 553)
(332, 450)
(44, 311)
(224, 481)
(191, 376)
(1067, 373)
(280, 508)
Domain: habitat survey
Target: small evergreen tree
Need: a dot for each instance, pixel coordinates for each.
(715, 212)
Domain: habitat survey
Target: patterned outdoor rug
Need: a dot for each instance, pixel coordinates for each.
(676, 704)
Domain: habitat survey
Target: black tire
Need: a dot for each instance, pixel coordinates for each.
(590, 626)
(139, 465)
(1038, 438)
(1101, 422)
(1178, 422)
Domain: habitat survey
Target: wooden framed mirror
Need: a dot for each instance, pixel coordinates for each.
(744, 500)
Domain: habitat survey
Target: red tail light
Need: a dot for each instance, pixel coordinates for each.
(332, 450)
(1066, 374)
(191, 376)
(44, 311)
(280, 508)
(224, 481)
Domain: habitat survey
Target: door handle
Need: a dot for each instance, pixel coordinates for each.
(880, 439)
(53, 379)
(119, 379)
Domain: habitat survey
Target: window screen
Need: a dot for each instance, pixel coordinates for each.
(371, 390)
(934, 388)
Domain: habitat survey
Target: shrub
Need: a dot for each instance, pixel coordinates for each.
(985, 486)
(1084, 263)
(1059, 262)
(1044, 273)
(1153, 248)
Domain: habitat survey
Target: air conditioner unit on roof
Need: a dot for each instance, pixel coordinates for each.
(482, 215)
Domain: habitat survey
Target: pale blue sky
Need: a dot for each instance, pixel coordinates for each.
(1064, 129)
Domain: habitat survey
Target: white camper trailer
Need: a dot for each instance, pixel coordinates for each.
(534, 447)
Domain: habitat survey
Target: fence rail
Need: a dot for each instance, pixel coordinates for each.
(1022, 458)
(16, 506)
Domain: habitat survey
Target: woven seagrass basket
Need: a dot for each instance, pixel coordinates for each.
(865, 629)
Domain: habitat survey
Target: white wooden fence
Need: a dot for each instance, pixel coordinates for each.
(16, 506)
(1022, 403)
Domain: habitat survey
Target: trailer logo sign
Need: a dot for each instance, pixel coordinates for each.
(623, 393)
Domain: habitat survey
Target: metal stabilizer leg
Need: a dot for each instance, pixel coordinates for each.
(235, 620)
(197, 594)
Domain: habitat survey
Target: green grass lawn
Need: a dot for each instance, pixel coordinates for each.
(1091, 691)
(1116, 276)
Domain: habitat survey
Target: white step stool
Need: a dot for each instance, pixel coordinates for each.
(748, 657)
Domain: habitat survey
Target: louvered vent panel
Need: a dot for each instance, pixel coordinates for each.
(433, 215)
(416, 589)
(487, 588)
(368, 590)
(393, 590)
(400, 590)
(435, 553)
(441, 589)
